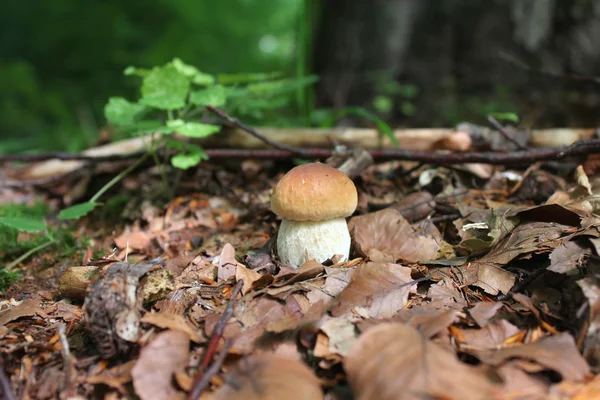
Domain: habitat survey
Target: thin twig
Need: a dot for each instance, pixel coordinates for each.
(5, 389)
(65, 351)
(215, 338)
(504, 133)
(237, 123)
(11, 266)
(214, 369)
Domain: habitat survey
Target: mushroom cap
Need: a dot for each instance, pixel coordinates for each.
(314, 192)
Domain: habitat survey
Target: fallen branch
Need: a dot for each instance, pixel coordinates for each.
(215, 338)
(214, 369)
(237, 123)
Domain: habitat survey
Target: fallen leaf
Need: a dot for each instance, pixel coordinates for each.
(393, 358)
(248, 276)
(152, 375)
(558, 353)
(28, 308)
(385, 236)
(380, 290)
(269, 377)
(335, 282)
(489, 337)
(484, 311)
(567, 258)
(134, 240)
(175, 322)
(341, 334)
(114, 377)
(227, 263)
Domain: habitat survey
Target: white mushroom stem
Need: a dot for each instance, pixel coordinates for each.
(320, 240)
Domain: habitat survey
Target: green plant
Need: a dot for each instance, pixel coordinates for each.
(173, 99)
(24, 232)
(16, 220)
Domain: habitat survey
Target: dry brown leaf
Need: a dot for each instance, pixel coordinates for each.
(175, 322)
(484, 311)
(393, 361)
(341, 334)
(28, 308)
(227, 263)
(269, 377)
(567, 258)
(558, 353)
(114, 377)
(489, 337)
(152, 375)
(378, 289)
(135, 240)
(248, 276)
(520, 385)
(335, 282)
(386, 236)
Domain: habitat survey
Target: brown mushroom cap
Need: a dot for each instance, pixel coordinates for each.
(314, 192)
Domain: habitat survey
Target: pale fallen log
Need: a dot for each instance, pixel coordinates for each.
(409, 139)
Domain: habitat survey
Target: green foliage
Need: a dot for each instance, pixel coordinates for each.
(7, 278)
(506, 116)
(24, 224)
(77, 211)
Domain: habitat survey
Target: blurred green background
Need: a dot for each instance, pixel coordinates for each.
(411, 62)
(61, 60)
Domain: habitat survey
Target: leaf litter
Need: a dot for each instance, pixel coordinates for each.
(454, 292)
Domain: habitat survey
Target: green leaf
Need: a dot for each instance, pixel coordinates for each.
(198, 130)
(148, 126)
(213, 95)
(24, 224)
(508, 116)
(165, 88)
(191, 72)
(120, 111)
(231, 79)
(77, 211)
(131, 70)
(175, 123)
(190, 159)
(382, 104)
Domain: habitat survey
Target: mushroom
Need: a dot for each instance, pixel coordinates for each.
(313, 201)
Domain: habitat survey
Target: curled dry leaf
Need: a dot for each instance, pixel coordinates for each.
(152, 375)
(380, 290)
(393, 361)
(385, 236)
(558, 353)
(269, 377)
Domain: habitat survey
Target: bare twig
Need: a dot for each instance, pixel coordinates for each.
(5, 389)
(215, 338)
(69, 380)
(235, 122)
(504, 133)
(581, 148)
(214, 369)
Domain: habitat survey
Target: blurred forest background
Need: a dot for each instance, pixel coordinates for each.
(413, 63)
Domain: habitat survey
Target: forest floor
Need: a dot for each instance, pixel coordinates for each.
(468, 281)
